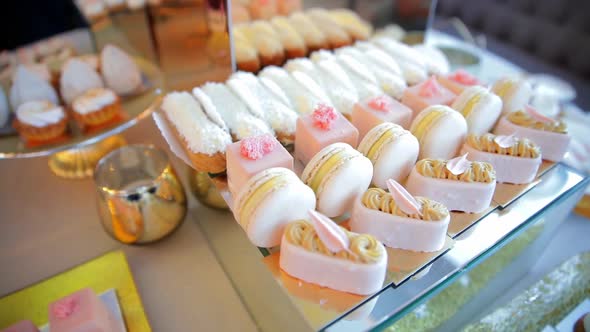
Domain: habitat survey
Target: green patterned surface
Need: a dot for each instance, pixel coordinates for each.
(448, 302)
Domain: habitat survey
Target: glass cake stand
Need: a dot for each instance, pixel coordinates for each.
(76, 156)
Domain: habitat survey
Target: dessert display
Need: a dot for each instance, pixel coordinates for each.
(323, 253)
(217, 99)
(427, 93)
(440, 131)
(76, 78)
(411, 62)
(514, 92)
(337, 174)
(29, 86)
(263, 37)
(292, 41)
(515, 160)
(321, 128)
(252, 155)
(436, 62)
(385, 70)
(96, 107)
(549, 134)
(119, 71)
(373, 111)
(82, 311)
(400, 220)
(246, 54)
(268, 202)
(315, 39)
(393, 152)
(351, 23)
(458, 81)
(459, 184)
(39, 122)
(203, 141)
(480, 107)
(22, 326)
(335, 34)
(265, 104)
(303, 92)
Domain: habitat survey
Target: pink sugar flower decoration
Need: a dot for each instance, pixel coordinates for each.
(380, 103)
(256, 147)
(536, 115)
(505, 141)
(458, 165)
(406, 202)
(463, 77)
(64, 308)
(430, 88)
(324, 116)
(331, 235)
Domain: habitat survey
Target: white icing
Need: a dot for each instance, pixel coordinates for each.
(363, 80)
(28, 86)
(209, 108)
(436, 61)
(41, 70)
(120, 72)
(76, 78)
(93, 100)
(234, 113)
(200, 134)
(411, 62)
(89, 59)
(39, 113)
(262, 103)
(340, 89)
(320, 55)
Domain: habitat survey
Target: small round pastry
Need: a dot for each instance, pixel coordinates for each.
(514, 92)
(480, 107)
(292, 41)
(392, 150)
(325, 254)
(549, 134)
(40, 121)
(440, 130)
(459, 184)
(516, 160)
(246, 54)
(268, 202)
(119, 70)
(356, 27)
(96, 107)
(338, 174)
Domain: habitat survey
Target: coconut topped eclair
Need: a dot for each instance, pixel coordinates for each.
(515, 160)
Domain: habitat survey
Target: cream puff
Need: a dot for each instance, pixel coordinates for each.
(440, 130)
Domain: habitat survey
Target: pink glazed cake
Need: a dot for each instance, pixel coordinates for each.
(251, 156)
(459, 184)
(22, 326)
(321, 128)
(323, 253)
(425, 94)
(371, 112)
(458, 81)
(81, 311)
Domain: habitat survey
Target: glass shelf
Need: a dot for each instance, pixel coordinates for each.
(277, 306)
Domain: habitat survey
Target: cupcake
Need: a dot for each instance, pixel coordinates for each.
(40, 121)
(96, 107)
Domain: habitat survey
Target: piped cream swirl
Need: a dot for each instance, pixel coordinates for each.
(477, 172)
(379, 199)
(523, 147)
(522, 118)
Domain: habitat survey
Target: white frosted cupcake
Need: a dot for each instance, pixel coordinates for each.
(96, 107)
(40, 121)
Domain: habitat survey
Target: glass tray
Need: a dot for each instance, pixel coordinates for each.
(278, 302)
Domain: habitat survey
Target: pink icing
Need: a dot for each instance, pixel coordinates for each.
(406, 202)
(463, 77)
(324, 116)
(65, 308)
(430, 88)
(505, 141)
(381, 103)
(458, 165)
(536, 115)
(331, 235)
(256, 147)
